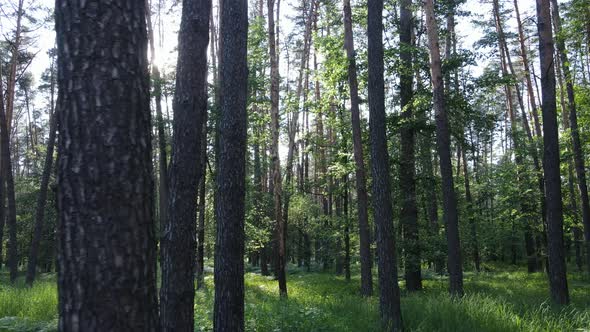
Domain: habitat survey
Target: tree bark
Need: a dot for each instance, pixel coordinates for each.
(389, 297)
(231, 176)
(557, 269)
(360, 173)
(107, 247)
(190, 106)
(443, 138)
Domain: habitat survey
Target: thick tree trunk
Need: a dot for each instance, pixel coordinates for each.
(231, 176)
(190, 106)
(389, 297)
(42, 197)
(575, 133)
(443, 137)
(107, 245)
(360, 173)
(556, 250)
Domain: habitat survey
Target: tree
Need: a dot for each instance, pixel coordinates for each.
(47, 168)
(443, 138)
(190, 106)
(275, 179)
(389, 297)
(575, 132)
(231, 174)
(361, 181)
(407, 172)
(556, 250)
(107, 247)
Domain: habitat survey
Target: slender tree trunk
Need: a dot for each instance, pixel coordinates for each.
(389, 297)
(527, 72)
(107, 244)
(276, 180)
(525, 205)
(231, 177)
(361, 181)
(162, 158)
(557, 271)
(9, 180)
(443, 137)
(407, 173)
(200, 266)
(42, 197)
(190, 106)
(471, 215)
(575, 133)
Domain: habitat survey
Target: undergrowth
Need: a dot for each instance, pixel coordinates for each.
(494, 301)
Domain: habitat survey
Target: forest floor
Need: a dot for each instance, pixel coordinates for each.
(494, 301)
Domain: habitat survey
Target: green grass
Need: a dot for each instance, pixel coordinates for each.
(494, 301)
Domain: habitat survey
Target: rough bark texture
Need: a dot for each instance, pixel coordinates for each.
(190, 106)
(360, 173)
(389, 297)
(557, 269)
(443, 139)
(42, 197)
(107, 248)
(231, 176)
(575, 133)
(407, 172)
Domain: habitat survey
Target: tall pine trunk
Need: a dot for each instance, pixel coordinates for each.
(443, 138)
(389, 297)
(557, 269)
(360, 173)
(575, 132)
(407, 172)
(190, 106)
(42, 196)
(107, 244)
(231, 175)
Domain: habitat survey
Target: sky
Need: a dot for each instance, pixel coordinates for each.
(467, 33)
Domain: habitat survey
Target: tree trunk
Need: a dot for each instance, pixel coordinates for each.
(200, 262)
(556, 251)
(361, 181)
(575, 133)
(407, 173)
(527, 72)
(42, 197)
(190, 106)
(7, 176)
(443, 138)
(276, 180)
(471, 214)
(231, 176)
(389, 297)
(525, 205)
(107, 245)
(162, 158)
